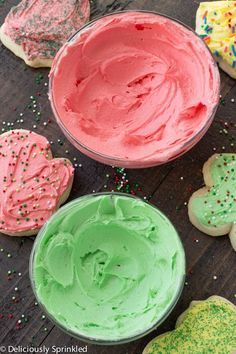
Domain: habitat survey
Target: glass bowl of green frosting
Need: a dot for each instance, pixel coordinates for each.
(107, 268)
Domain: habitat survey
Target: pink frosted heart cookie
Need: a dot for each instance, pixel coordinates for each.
(32, 184)
(34, 30)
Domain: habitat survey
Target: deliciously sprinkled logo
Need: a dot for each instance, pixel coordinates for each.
(44, 349)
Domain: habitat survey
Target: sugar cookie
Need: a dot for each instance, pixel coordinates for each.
(35, 30)
(216, 24)
(32, 183)
(205, 327)
(212, 209)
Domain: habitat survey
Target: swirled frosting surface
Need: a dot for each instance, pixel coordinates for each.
(108, 266)
(135, 86)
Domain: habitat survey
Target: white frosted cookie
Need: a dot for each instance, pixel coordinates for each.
(205, 327)
(32, 183)
(216, 24)
(35, 30)
(212, 209)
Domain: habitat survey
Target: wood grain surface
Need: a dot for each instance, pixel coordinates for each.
(211, 262)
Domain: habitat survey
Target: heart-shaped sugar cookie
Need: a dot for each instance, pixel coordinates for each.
(32, 183)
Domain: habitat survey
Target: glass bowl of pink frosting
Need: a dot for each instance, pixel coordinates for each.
(134, 89)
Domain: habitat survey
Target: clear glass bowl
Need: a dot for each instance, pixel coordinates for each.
(165, 310)
(127, 162)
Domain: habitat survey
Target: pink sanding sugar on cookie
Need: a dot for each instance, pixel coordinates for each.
(42, 26)
(32, 183)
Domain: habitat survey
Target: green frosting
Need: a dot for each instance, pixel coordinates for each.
(209, 327)
(108, 266)
(218, 206)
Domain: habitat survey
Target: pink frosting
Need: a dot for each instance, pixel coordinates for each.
(32, 183)
(135, 86)
(41, 27)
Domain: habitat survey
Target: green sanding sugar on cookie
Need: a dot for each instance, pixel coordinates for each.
(208, 327)
(218, 206)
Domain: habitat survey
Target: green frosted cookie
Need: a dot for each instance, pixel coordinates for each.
(205, 327)
(212, 209)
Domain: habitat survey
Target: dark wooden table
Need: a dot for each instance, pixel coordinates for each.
(211, 262)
